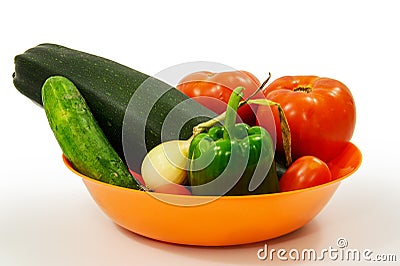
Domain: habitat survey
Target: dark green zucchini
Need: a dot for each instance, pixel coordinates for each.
(108, 88)
(80, 137)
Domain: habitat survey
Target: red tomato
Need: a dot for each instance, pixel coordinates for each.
(173, 189)
(138, 177)
(320, 111)
(307, 171)
(167, 189)
(214, 89)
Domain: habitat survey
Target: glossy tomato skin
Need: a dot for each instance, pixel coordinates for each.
(320, 111)
(305, 172)
(214, 89)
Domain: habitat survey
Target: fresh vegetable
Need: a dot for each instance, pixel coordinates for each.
(173, 189)
(79, 136)
(234, 159)
(320, 111)
(214, 89)
(108, 88)
(307, 171)
(166, 164)
(137, 176)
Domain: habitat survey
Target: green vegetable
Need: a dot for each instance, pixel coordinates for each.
(79, 136)
(232, 160)
(132, 129)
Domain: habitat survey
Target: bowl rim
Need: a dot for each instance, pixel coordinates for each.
(337, 180)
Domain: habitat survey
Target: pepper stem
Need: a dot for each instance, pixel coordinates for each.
(231, 110)
(207, 124)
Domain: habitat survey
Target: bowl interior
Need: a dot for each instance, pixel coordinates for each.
(218, 221)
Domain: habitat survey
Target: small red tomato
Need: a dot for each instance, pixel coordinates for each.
(307, 171)
(321, 114)
(138, 177)
(173, 189)
(213, 90)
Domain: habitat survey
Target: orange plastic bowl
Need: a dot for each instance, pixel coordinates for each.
(227, 220)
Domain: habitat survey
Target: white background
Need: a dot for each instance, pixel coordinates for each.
(48, 218)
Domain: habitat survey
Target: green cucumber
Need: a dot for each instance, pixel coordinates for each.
(107, 88)
(80, 137)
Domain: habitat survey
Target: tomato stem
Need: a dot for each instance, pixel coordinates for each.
(262, 86)
(303, 89)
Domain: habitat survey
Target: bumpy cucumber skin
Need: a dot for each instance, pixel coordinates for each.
(108, 87)
(80, 137)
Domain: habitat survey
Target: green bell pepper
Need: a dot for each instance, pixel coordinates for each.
(233, 159)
